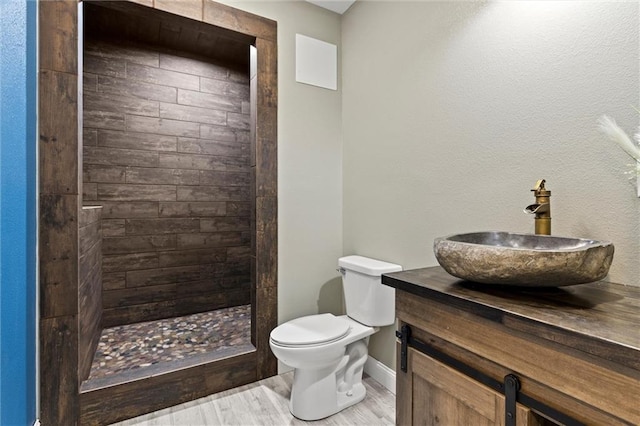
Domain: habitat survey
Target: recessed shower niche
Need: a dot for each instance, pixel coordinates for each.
(176, 206)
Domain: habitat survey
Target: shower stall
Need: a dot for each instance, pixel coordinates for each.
(168, 154)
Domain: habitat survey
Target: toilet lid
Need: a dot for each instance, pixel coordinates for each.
(310, 330)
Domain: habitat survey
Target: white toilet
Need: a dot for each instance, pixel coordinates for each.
(328, 352)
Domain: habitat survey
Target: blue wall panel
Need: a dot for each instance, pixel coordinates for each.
(17, 211)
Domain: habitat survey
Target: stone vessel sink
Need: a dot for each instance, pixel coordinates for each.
(529, 260)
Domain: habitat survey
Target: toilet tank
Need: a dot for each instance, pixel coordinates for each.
(368, 301)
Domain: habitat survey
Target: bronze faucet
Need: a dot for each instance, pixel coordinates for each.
(541, 208)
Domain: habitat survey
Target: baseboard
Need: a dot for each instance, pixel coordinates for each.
(381, 374)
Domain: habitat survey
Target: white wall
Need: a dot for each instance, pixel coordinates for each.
(309, 167)
(449, 112)
(452, 111)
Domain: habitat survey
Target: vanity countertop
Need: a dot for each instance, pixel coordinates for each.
(600, 318)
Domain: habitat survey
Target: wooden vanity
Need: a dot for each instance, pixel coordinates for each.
(472, 354)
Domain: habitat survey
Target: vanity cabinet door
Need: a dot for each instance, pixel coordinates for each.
(435, 394)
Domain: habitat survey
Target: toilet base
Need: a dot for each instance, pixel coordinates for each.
(347, 399)
(320, 393)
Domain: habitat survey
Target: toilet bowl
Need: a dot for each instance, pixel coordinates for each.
(328, 352)
(328, 372)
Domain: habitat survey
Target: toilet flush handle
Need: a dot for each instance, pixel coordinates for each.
(341, 270)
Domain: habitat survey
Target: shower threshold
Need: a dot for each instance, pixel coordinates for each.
(137, 351)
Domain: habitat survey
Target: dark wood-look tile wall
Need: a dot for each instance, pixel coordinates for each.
(62, 192)
(89, 287)
(167, 154)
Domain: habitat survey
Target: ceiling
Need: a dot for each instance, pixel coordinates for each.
(338, 6)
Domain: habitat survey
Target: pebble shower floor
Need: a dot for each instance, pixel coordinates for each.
(134, 347)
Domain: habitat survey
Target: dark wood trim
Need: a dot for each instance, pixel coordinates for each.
(266, 215)
(60, 400)
(59, 384)
(111, 404)
(58, 217)
(238, 21)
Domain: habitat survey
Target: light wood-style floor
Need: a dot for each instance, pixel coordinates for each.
(267, 403)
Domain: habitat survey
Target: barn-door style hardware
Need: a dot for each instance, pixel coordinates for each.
(510, 386)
